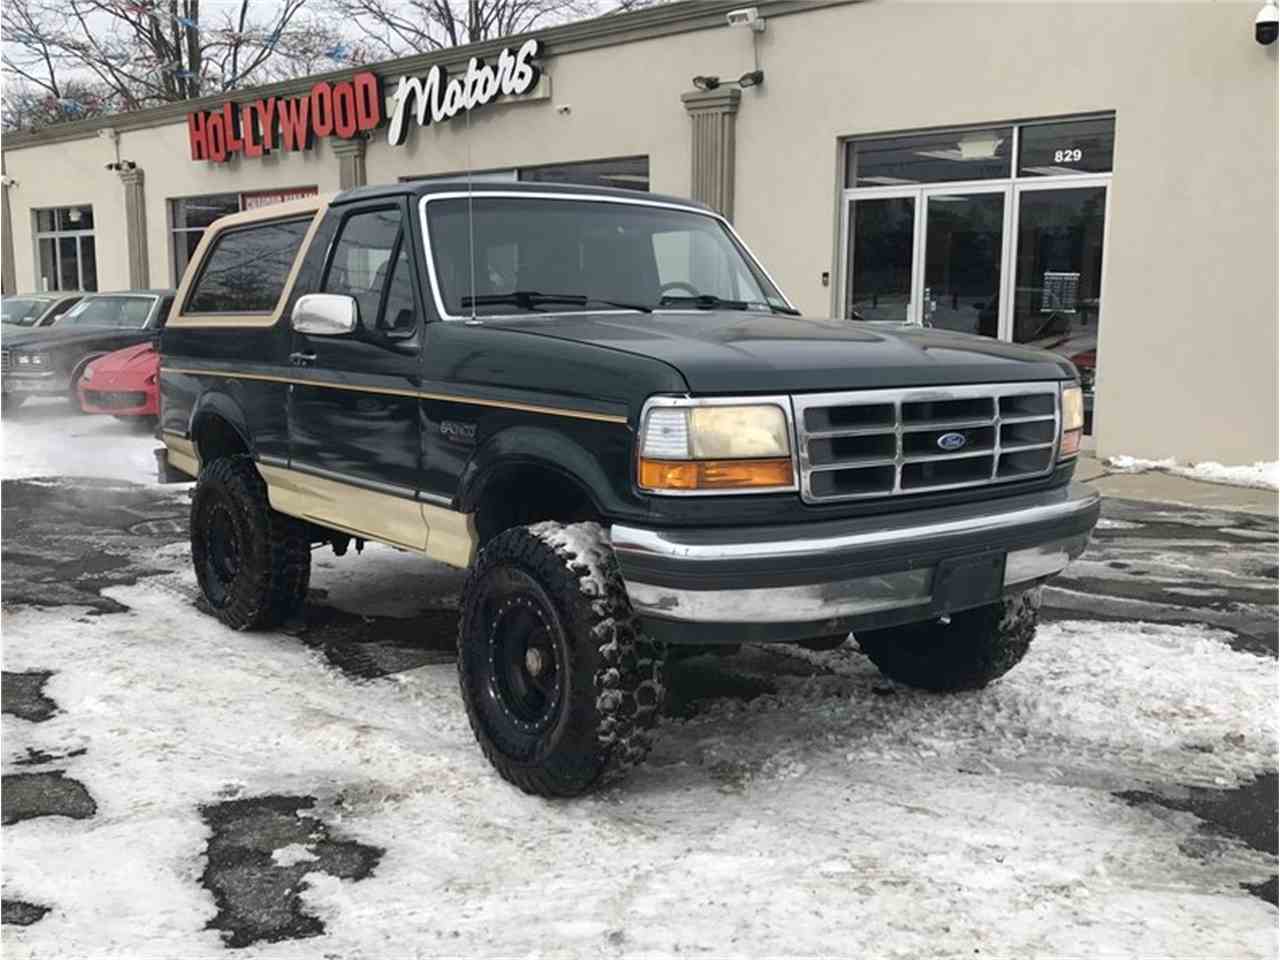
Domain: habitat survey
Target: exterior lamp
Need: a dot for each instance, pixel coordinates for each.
(752, 79)
(706, 83)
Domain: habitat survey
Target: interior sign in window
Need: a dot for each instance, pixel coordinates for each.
(438, 97)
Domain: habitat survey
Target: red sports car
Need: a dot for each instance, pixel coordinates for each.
(122, 383)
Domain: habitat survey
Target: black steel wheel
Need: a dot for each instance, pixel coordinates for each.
(253, 563)
(561, 690)
(970, 651)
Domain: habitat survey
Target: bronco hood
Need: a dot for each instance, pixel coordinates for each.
(744, 352)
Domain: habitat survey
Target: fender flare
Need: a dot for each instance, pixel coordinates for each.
(535, 446)
(213, 403)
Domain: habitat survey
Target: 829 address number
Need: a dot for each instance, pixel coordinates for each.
(1068, 156)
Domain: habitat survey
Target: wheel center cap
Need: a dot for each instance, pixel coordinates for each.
(534, 661)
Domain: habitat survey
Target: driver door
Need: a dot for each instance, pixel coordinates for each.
(353, 408)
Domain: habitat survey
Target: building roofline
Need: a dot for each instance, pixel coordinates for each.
(608, 30)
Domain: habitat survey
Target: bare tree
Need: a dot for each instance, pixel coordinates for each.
(28, 107)
(394, 28)
(156, 51)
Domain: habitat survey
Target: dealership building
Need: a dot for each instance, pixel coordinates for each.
(1099, 179)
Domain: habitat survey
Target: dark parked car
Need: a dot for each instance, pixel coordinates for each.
(48, 361)
(602, 404)
(31, 310)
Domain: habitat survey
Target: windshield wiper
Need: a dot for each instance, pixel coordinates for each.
(708, 301)
(532, 300)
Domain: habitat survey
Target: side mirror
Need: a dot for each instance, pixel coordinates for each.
(324, 314)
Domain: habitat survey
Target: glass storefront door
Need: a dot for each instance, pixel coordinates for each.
(882, 240)
(963, 261)
(995, 231)
(1058, 287)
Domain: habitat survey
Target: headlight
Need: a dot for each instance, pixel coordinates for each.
(88, 373)
(715, 447)
(1072, 421)
(33, 359)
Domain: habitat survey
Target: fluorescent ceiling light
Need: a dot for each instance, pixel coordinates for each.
(1054, 171)
(979, 146)
(886, 181)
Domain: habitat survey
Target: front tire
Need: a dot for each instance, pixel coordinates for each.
(253, 563)
(561, 689)
(975, 648)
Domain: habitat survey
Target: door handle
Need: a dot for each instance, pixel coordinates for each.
(302, 359)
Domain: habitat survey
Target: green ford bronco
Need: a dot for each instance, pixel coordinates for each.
(600, 403)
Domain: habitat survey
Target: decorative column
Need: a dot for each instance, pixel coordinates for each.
(350, 154)
(8, 273)
(135, 226)
(714, 117)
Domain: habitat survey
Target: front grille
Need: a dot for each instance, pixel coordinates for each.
(879, 443)
(4, 361)
(123, 400)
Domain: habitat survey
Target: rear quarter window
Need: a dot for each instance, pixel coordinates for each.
(246, 268)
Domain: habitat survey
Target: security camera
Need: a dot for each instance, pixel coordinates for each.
(745, 17)
(1266, 25)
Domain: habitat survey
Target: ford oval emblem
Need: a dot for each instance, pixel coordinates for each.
(952, 441)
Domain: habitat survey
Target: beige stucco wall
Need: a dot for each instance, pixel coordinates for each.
(1188, 344)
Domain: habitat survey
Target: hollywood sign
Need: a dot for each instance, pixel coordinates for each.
(351, 108)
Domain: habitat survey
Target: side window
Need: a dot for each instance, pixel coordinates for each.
(63, 307)
(399, 314)
(367, 260)
(246, 270)
(163, 316)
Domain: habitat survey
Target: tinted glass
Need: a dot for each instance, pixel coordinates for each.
(108, 311)
(68, 264)
(1058, 149)
(1059, 279)
(88, 264)
(629, 173)
(929, 158)
(184, 248)
(245, 272)
(603, 251)
(46, 221)
(48, 263)
(964, 238)
(881, 240)
(399, 313)
(22, 312)
(202, 211)
(362, 260)
(75, 218)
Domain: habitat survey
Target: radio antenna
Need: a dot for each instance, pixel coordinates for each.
(471, 222)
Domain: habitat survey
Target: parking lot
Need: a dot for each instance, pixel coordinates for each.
(172, 788)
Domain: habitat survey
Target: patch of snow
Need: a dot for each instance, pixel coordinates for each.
(1261, 475)
(46, 438)
(825, 819)
(292, 853)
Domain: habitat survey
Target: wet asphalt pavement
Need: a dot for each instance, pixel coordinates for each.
(66, 541)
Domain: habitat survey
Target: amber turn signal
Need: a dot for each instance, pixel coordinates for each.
(1070, 443)
(714, 474)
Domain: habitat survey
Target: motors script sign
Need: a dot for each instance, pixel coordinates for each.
(350, 108)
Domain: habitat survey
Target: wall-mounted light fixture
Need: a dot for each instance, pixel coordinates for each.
(752, 79)
(122, 165)
(706, 83)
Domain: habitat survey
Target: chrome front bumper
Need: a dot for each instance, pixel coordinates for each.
(803, 581)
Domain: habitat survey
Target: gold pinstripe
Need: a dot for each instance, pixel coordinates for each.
(422, 395)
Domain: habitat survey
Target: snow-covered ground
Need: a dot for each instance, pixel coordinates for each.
(1261, 475)
(47, 437)
(838, 815)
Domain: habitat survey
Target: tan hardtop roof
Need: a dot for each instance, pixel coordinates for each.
(275, 211)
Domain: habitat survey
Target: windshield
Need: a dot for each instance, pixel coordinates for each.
(108, 312)
(23, 311)
(537, 255)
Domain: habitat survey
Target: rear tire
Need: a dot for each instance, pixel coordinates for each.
(253, 563)
(561, 689)
(975, 648)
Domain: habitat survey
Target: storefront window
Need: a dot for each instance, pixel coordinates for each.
(929, 158)
(626, 173)
(190, 216)
(1062, 149)
(1059, 277)
(65, 254)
